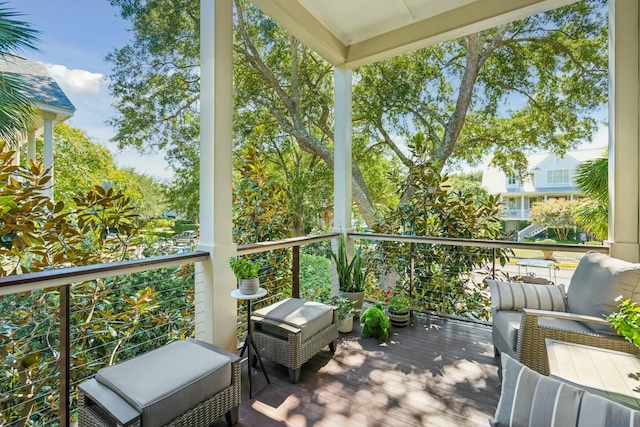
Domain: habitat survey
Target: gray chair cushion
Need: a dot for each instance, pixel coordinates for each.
(529, 399)
(516, 296)
(507, 322)
(308, 316)
(596, 284)
(168, 381)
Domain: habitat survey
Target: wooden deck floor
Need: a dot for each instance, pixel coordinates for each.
(437, 372)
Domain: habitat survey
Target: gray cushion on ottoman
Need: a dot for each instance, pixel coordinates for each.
(597, 282)
(308, 316)
(168, 381)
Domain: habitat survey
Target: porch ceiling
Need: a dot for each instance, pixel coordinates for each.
(359, 32)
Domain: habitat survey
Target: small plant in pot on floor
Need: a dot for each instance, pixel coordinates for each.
(352, 274)
(346, 311)
(399, 308)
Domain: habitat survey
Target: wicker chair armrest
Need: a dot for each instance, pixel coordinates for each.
(565, 315)
(531, 348)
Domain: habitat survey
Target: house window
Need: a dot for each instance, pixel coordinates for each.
(532, 201)
(512, 180)
(559, 176)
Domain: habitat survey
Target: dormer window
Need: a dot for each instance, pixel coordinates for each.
(559, 176)
(512, 181)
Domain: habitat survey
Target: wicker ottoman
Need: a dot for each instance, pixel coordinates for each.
(185, 383)
(292, 331)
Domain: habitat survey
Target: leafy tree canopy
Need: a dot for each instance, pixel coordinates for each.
(527, 85)
(80, 164)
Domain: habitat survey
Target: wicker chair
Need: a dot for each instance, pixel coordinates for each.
(531, 340)
(292, 331)
(100, 406)
(524, 315)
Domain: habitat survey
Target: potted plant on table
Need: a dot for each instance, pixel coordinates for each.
(352, 274)
(246, 272)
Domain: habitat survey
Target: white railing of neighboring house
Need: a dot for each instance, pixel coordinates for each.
(531, 230)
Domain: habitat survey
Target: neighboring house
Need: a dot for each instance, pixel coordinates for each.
(549, 176)
(52, 106)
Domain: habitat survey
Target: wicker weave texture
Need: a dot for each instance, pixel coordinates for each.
(91, 415)
(201, 415)
(532, 348)
(292, 352)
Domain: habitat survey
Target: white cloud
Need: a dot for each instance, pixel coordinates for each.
(75, 81)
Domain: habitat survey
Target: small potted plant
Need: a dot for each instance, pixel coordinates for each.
(352, 274)
(346, 310)
(399, 308)
(246, 272)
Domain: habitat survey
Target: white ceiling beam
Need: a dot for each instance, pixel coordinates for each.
(304, 25)
(450, 25)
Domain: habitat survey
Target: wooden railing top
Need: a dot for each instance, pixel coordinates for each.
(64, 276)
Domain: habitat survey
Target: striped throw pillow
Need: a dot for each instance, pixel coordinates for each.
(529, 399)
(516, 296)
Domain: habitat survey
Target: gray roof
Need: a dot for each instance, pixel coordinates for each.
(45, 89)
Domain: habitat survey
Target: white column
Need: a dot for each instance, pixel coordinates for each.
(31, 145)
(342, 159)
(522, 207)
(624, 218)
(48, 151)
(216, 317)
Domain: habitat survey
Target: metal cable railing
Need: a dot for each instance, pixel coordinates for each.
(54, 337)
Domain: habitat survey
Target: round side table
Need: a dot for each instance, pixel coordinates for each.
(248, 344)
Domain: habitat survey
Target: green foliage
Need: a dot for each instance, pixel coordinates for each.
(315, 277)
(592, 214)
(344, 307)
(352, 274)
(399, 303)
(444, 276)
(260, 215)
(375, 323)
(17, 108)
(110, 318)
(556, 214)
(626, 321)
(243, 268)
(457, 93)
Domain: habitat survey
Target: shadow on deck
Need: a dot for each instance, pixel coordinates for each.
(437, 372)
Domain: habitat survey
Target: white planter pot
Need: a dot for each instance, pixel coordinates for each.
(249, 286)
(358, 297)
(345, 325)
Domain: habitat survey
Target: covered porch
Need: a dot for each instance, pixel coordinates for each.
(358, 34)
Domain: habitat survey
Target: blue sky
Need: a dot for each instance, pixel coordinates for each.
(76, 36)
